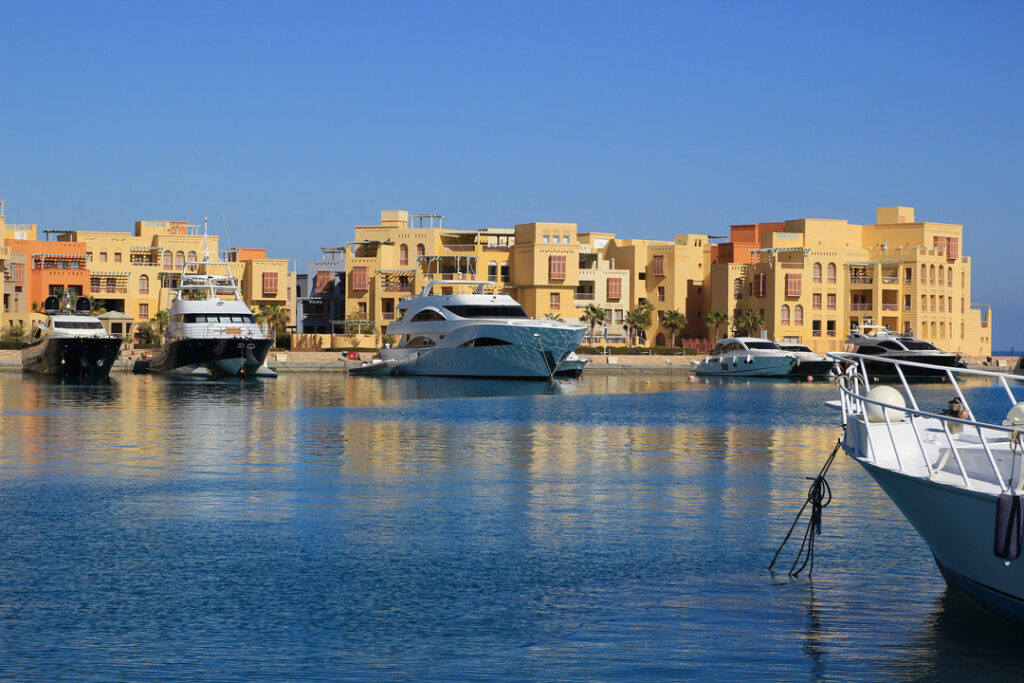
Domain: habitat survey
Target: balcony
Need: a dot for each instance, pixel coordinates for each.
(583, 296)
(861, 307)
(387, 315)
(891, 307)
(890, 280)
(862, 279)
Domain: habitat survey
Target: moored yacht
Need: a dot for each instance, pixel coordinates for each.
(476, 335)
(956, 475)
(71, 343)
(927, 361)
(210, 329)
(746, 357)
(808, 363)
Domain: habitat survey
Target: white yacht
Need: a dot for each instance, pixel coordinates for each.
(476, 335)
(954, 474)
(747, 357)
(71, 343)
(878, 340)
(211, 330)
(808, 363)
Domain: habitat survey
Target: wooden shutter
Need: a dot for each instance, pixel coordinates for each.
(269, 284)
(359, 280)
(658, 267)
(614, 288)
(792, 284)
(556, 267)
(324, 278)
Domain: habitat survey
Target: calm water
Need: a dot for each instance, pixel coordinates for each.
(327, 527)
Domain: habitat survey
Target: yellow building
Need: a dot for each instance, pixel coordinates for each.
(812, 280)
(605, 286)
(264, 281)
(545, 269)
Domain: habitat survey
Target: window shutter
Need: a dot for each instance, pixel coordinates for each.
(269, 284)
(615, 288)
(658, 267)
(792, 284)
(556, 267)
(359, 278)
(324, 278)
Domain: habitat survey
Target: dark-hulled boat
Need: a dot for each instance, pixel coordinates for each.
(71, 344)
(884, 343)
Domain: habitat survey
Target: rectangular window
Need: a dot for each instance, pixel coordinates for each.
(88, 256)
(324, 280)
(18, 273)
(556, 299)
(546, 239)
(906, 302)
(793, 285)
(933, 302)
(658, 266)
(661, 293)
(94, 284)
(269, 284)
(909, 275)
(952, 248)
(556, 267)
(359, 279)
(816, 302)
(939, 243)
(831, 302)
(362, 309)
(143, 311)
(815, 328)
(760, 284)
(117, 257)
(830, 328)
(103, 257)
(620, 316)
(614, 288)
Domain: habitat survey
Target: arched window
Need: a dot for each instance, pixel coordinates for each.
(420, 250)
(191, 256)
(817, 272)
(924, 273)
(798, 315)
(949, 276)
(403, 255)
(942, 274)
(784, 312)
(179, 260)
(492, 271)
(737, 288)
(931, 274)
(143, 284)
(168, 260)
(832, 273)
(505, 271)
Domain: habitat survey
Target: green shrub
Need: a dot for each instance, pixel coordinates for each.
(14, 337)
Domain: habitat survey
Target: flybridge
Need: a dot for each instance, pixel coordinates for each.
(479, 284)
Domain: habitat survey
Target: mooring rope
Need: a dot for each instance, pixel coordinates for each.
(819, 495)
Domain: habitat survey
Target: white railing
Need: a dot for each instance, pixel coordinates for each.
(216, 331)
(855, 385)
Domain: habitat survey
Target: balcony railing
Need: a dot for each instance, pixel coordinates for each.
(861, 279)
(861, 307)
(583, 296)
(891, 307)
(890, 280)
(387, 315)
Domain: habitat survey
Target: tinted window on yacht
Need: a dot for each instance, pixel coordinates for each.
(796, 347)
(427, 314)
(487, 311)
(78, 324)
(420, 341)
(869, 350)
(762, 345)
(919, 346)
(203, 318)
(483, 341)
(890, 346)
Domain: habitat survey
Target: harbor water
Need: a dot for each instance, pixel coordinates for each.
(327, 527)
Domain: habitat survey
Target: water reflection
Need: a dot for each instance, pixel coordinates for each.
(618, 527)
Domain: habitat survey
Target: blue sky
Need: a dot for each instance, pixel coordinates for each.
(289, 123)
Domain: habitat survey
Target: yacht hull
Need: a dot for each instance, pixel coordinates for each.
(813, 368)
(888, 370)
(759, 366)
(73, 358)
(521, 356)
(958, 525)
(221, 357)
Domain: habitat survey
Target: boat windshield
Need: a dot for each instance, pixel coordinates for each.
(761, 345)
(487, 311)
(914, 345)
(78, 324)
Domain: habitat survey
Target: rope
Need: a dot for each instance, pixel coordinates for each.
(819, 495)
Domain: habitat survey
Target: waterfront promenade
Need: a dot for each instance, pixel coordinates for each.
(336, 361)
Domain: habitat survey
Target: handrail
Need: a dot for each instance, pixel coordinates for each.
(852, 402)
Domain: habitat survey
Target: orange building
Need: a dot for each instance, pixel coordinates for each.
(50, 268)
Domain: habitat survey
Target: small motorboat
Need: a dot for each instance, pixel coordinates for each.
(375, 368)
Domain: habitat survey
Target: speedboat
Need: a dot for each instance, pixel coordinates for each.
(929, 362)
(572, 366)
(476, 335)
(956, 476)
(375, 368)
(71, 343)
(808, 363)
(210, 329)
(746, 357)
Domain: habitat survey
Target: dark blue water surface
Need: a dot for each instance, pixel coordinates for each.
(322, 527)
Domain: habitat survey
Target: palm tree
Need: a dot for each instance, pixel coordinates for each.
(160, 320)
(639, 319)
(274, 317)
(750, 322)
(715, 320)
(673, 321)
(592, 315)
(96, 306)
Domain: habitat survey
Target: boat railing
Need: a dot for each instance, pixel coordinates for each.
(855, 386)
(217, 331)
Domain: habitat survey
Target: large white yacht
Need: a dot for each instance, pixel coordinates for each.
(954, 473)
(746, 357)
(476, 335)
(210, 329)
(71, 343)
